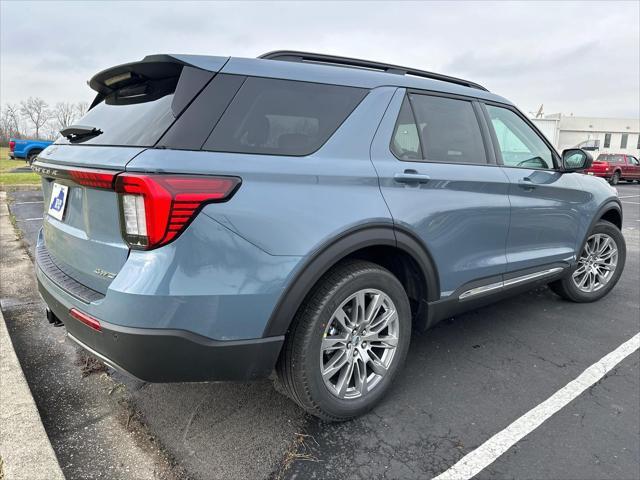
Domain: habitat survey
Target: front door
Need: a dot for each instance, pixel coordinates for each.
(633, 168)
(441, 183)
(545, 221)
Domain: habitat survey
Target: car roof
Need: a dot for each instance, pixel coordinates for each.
(320, 72)
(348, 76)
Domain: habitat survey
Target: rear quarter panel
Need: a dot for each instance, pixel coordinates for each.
(292, 205)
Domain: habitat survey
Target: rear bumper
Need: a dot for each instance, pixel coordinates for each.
(165, 355)
(599, 174)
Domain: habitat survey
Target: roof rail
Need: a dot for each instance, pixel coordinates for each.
(294, 56)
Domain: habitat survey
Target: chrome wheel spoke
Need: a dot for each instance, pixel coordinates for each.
(360, 377)
(381, 341)
(382, 322)
(373, 309)
(337, 362)
(343, 319)
(345, 378)
(334, 343)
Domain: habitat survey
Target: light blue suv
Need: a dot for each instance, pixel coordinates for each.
(215, 218)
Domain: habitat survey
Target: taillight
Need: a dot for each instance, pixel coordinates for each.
(87, 319)
(12, 145)
(155, 209)
(93, 178)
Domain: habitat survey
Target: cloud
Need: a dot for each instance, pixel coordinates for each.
(573, 57)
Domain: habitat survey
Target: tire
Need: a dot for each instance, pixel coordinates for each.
(32, 157)
(568, 287)
(615, 179)
(302, 362)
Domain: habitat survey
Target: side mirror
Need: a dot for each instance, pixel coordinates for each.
(575, 159)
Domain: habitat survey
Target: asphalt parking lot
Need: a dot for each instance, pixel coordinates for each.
(464, 381)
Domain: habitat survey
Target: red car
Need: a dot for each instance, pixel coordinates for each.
(615, 167)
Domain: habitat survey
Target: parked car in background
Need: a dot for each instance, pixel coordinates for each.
(615, 167)
(26, 149)
(214, 218)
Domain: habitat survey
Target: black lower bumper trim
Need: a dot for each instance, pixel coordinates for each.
(159, 355)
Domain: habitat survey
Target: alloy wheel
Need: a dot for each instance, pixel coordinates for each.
(359, 344)
(597, 263)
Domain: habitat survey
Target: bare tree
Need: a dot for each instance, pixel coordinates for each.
(13, 116)
(9, 123)
(82, 108)
(36, 111)
(64, 114)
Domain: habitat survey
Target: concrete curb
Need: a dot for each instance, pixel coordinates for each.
(25, 449)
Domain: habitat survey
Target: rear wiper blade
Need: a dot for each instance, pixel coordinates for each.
(76, 133)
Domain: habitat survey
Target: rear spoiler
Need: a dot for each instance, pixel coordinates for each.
(151, 67)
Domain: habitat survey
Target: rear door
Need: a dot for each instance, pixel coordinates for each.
(441, 183)
(545, 203)
(82, 221)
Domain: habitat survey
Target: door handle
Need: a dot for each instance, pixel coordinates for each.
(411, 177)
(526, 183)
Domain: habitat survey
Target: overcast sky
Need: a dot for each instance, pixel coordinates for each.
(581, 58)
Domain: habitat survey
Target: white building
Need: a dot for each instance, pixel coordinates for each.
(600, 135)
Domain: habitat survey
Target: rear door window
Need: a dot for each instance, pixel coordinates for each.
(447, 129)
(282, 117)
(406, 143)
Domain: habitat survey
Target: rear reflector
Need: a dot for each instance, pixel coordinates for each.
(93, 178)
(87, 319)
(157, 208)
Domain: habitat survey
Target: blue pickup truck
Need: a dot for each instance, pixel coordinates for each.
(27, 150)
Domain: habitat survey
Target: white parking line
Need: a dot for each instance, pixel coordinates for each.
(40, 201)
(628, 196)
(487, 453)
(632, 203)
(30, 219)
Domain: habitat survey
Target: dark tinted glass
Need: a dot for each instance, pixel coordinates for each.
(448, 130)
(623, 140)
(405, 143)
(138, 124)
(607, 140)
(282, 117)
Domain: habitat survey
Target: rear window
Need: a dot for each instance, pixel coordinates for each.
(139, 112)
(282, 117)
(136, 125)
(610, 158)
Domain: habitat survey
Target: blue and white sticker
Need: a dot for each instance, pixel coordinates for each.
(58, 200)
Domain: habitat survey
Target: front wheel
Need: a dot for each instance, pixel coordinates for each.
(347, 343)
(599, 267)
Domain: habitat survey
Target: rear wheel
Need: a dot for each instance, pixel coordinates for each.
(32, 157)
(599, 267)
(615, 179)
(347, 342)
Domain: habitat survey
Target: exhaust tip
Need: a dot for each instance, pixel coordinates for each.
(53, 319)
